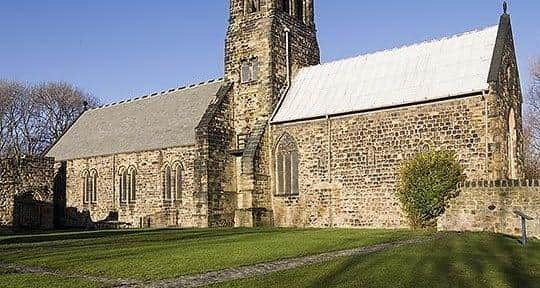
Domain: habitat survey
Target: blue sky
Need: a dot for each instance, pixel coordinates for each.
(124, 48)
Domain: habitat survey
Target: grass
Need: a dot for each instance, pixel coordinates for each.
(13, 280)
(9, 280)
(5, 231)
(456, 260)
(160, 254)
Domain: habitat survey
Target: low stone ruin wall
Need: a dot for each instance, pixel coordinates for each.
(490, 205)
(26, 193)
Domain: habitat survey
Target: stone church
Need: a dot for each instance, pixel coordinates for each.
(284, 140)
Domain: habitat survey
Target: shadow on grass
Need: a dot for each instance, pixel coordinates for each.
(70, 235)
(136, 236)
(456, 260)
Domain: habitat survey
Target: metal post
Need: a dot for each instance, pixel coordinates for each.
(524, 219)
(523, 231)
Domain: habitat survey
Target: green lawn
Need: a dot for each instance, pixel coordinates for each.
(12, 280)
(158, 254)
(456, 260)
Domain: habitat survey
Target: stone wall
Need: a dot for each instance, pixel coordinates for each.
(26, 192)
(490, 206)
(214, 170)
(505, 109)
(348, 164)
(150, 208)
(261, 35)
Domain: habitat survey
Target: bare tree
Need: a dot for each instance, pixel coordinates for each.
(60, 104)
(10, 93)
(5, 102)
(34, 117)
(532, 154)
(532, 123)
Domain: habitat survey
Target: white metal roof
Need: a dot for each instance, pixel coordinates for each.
(425, 71)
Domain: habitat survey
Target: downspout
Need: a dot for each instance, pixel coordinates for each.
(486, 132)
(331, 204)
(115, 206)
(329, 134)
(287, 55)
(284, 91)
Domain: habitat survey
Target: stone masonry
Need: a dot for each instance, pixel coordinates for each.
(26, 192)
(261, 35)
(347, 163)
(149, 210)
(490, 205)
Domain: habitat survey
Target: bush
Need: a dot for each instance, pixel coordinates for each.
(426, 183)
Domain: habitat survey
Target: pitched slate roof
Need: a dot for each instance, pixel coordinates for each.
(421, 72)
(161, 120)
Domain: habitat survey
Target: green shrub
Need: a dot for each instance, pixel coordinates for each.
(426, 183)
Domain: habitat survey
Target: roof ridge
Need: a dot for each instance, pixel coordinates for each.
(160, 93)
(432, 40)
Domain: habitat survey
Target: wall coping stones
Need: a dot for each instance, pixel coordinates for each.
(499, 183)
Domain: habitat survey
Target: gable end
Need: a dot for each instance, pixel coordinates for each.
(505, 31)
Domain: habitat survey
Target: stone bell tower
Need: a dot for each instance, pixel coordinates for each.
(267, 42)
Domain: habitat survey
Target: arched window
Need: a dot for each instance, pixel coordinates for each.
(512, 140)
(85, 186)
(299, 10)
(89, 186)
(93, 190)
(132, 187)
(178, 174)
(128, 185)
(167, 189)
(173, 181)
(287, 166)
(122, 185)
(122, 173)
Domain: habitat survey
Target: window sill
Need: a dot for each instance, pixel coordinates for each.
(249, 83)
(286, 195)
(172, 202)
(126, 204)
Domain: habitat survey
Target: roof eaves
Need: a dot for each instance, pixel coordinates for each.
(446, 98)
(164, 92)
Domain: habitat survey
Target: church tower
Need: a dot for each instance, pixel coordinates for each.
(267, 42)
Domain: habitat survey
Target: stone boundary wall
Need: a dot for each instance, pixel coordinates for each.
(490, 205)
(26, 192)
